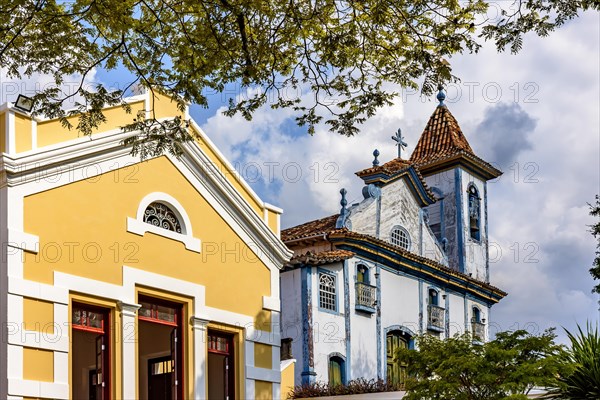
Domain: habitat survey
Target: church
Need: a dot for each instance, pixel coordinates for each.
(411, 258)
(130, 279)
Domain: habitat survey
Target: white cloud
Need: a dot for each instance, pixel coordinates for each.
(538, 206)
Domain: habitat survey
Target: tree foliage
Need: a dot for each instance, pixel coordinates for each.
(581, 378)
(331, 61)
(507, 367)
(595, 229)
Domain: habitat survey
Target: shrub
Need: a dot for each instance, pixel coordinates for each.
(356, 386)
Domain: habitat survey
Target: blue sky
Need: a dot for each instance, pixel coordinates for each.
(535, 114)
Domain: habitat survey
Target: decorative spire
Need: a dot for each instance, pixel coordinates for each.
(441, 96)
(343, 201)
(399, 142)
(341, 221)
(375, 160)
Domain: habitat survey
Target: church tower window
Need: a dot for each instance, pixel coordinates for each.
(400, 237)
(160, 215)
(474, 213)
(327, 292)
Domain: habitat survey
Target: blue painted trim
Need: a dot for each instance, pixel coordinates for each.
(421, 222)
(415, 184)
(459, 163)
(372, 252)
(421, 310)
(308, 374)
(447, 315)
(466, 315)
(378, 217)
(459, 219)
(337, 291)
(378, 322)
(487, 241)
(348, 331)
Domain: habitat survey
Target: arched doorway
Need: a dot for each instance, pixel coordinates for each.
(395, 339)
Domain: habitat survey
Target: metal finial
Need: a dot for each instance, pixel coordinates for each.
(375, 160)
(341, 220)
(343, 202)
(399, 142)
(441, 96)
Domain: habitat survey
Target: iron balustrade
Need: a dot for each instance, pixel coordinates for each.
(435, 317)
(366, 297)
(478, 329)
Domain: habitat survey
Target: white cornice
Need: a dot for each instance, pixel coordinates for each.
(28, 167)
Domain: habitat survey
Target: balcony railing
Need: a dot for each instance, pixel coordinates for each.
(435, 318)
(365, 297)
(478, 329)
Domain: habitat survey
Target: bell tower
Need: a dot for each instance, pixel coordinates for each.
(459, 180)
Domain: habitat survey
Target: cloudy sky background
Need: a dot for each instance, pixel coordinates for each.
(536, 115)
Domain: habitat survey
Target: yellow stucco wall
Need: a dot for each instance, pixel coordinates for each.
(273, 220)
(263, 356)
(38, 365)
(38, 315)
(22, 133)
(162, 106)
(82, 228)
(52, 132)
(287, 380)
(263, 390)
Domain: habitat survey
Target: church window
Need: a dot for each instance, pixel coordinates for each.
(433, 297)
(336, 371)
(327, 292)
(434, 215)
(474, 213)
(400, 237)
(158, 214)
(362, 274)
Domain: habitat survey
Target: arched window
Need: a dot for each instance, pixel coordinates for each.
(477, 325)
(434, 297)
(474, 213)
(476, 315)
(337, 371)
(160, 215)
(362, 273)
(400, 237)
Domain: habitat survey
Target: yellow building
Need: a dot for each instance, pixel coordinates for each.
(123, 279)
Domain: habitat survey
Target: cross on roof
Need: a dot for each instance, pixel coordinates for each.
(399, 139)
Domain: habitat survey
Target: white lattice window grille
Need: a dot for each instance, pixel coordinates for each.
(399, 237)
(327, 294)
(162, 216)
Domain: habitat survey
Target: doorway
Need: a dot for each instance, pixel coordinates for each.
(90, 365)
(160, 349)
(396, 371)
(221, 367)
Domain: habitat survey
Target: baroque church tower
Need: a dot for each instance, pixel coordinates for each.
(458, 178)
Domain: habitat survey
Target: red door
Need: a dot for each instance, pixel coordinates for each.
(221, 372)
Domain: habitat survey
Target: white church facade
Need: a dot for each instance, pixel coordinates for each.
(410, 258)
